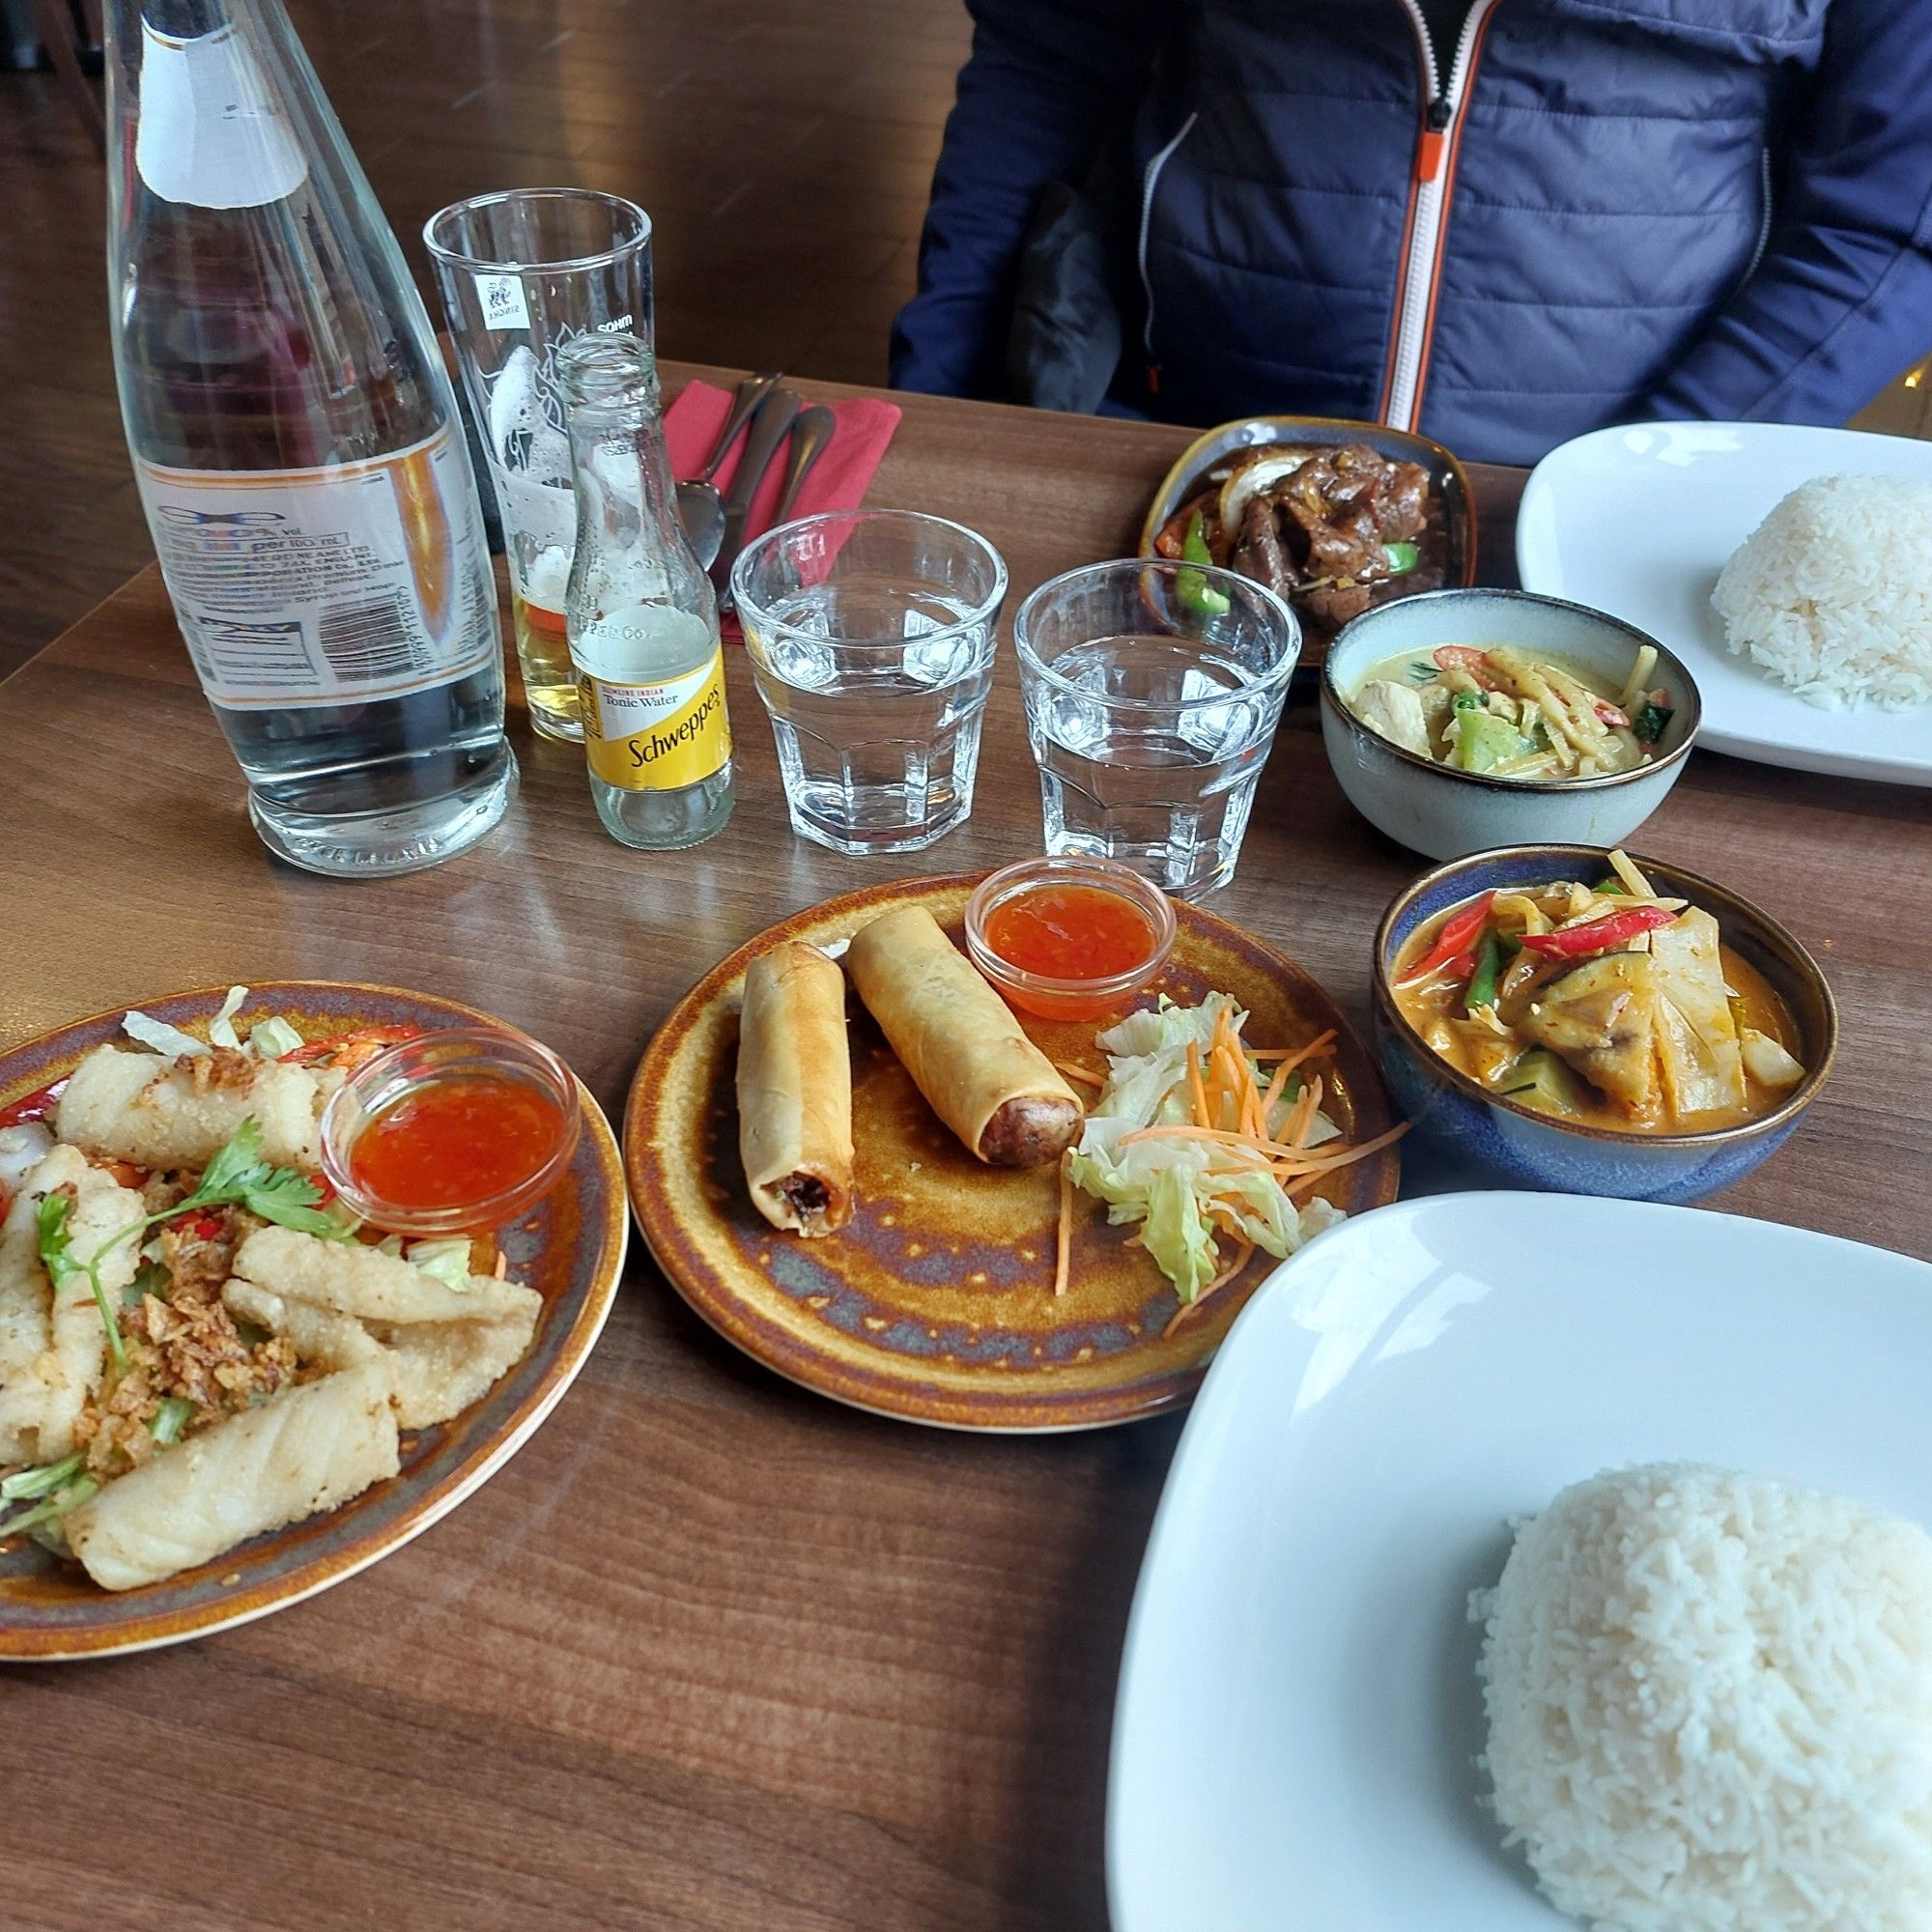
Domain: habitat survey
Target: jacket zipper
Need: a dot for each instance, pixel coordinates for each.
(1149, 180)
(1763, 220)
(1429, 206)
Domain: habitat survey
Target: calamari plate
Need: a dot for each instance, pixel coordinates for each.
(570, 1247)
(1638, 521)
(1299, 1717)
(934, 1304)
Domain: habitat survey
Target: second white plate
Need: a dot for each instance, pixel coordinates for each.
(1298, 1713)
(1638, 522)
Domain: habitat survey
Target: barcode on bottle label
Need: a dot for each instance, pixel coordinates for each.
(364, 642)
(301, 587)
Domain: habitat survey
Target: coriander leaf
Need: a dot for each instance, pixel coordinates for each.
(285, 1211)
(174, 1415)
(236, 1166)
(57, 1257)
(26, 1484)
(55, 1506)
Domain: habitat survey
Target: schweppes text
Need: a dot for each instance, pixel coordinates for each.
(657, 737)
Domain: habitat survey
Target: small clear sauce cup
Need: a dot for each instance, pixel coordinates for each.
(1069, 999)
(456, 1052)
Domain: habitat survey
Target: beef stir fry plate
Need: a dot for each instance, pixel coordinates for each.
(1331, 529)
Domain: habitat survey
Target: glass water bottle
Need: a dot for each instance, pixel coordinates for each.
(641, 616)
(296, 447)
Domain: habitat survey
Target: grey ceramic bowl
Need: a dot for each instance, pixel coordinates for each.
(1514, 1146)
(1442, 813)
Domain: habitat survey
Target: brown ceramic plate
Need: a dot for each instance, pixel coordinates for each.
(1213, 452)
(571, 1247)
(934, 1303)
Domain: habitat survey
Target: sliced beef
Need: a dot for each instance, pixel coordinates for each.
(1260, 553)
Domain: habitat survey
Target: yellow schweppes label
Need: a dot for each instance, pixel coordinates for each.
(657, 737)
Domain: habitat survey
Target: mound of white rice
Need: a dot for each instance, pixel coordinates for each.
(1710, 1703)
(1832, 593)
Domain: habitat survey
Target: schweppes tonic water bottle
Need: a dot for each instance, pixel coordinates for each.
(641, 616)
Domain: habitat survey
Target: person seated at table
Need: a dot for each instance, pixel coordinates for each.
(1502, 223)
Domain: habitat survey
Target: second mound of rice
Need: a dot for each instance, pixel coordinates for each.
(1709, 1705)
(1832, 592)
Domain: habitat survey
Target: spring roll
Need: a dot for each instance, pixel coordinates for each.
(958, 1039)
(180, 1113)
(795, 1091)
(305, 1449)
(53, 1346)
(360, 1281)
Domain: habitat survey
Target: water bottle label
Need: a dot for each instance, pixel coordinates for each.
(323, 586)
(212, 133)
(657, 737)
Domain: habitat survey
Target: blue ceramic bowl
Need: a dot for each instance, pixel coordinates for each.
(1514, 1146)
(1441, 811)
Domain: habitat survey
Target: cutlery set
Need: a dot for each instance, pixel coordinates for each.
(770, 418)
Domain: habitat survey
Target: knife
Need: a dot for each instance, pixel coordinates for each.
(771, 425)
(811, 431)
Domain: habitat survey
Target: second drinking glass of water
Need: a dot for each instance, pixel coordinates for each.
(1152, 690)
(870, 635)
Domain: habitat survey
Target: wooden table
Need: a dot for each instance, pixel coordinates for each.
(713, 1651)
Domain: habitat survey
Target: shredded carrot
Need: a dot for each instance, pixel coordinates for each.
(1086, 1075)
(1273, 1094)
(1063, 1240)
(1315, 1165)
(1301, 1120)
(1220, 1279)
(1293, 1055)
(502, 1268)
(1197, 1092)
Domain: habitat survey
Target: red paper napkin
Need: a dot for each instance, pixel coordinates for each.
(863, 426)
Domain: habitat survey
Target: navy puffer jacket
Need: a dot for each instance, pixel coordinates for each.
(1584, 212)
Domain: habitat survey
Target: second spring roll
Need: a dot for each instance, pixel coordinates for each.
(795, 1091)
(958, 1039)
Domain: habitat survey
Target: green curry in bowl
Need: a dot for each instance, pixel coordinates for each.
(1514, 712)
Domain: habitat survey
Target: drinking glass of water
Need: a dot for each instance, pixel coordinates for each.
(870, 635)
(1152, 690)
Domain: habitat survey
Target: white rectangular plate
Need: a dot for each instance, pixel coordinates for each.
(1298, 1712)
(1638, 522)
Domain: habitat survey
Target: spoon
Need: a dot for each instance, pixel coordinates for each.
(700, 508)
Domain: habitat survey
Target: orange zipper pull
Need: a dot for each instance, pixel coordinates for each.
(1435, 139)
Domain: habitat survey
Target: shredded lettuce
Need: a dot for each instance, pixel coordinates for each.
(448, 1261)
(221, 1028)
(1178, 1189)
(160, 1037)
(268, 1040)
(272, 1037)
